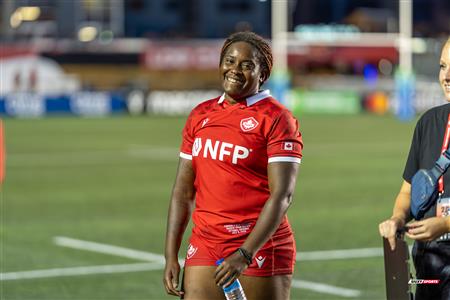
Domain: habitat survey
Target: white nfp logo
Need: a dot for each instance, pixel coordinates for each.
(218, 150)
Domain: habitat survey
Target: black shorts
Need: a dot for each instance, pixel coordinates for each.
(432, 261)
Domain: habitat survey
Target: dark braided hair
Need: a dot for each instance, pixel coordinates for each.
(264, 50)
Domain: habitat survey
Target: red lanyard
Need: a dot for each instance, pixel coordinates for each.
(444, 148)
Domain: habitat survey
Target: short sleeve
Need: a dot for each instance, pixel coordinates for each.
(413, 161)
(188, 139)
(285, 140)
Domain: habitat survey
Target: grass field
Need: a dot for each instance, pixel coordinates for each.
(109, 180)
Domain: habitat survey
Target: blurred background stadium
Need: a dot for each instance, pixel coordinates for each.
(93, 97)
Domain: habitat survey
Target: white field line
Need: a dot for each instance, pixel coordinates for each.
(156, 262)
(79, 271)
(89, 157)
(116, 156)
(110, 249)
(141, 255)
(64, 158)
(147, 256)
(325, 288)
(169, 154)
(339, 254)
(138, 267)
(153, 152)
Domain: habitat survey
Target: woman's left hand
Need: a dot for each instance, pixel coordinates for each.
(427, 229)
(230, 269)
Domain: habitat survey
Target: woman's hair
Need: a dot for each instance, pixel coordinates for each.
(264, 50)
(446, 43)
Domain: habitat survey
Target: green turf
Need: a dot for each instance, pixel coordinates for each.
(109, 181)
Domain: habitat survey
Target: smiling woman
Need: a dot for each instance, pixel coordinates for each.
(241, 73)
(431, 232)
(250, 53)
(239, 160)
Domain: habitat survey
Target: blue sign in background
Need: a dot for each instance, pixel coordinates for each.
(82, 104)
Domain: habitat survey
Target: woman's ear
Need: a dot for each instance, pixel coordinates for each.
(262, 78)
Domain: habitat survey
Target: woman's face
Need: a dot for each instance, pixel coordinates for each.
(444, 73)
(240, 71)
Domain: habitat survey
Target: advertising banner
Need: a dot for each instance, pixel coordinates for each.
(324, 102)
(177, 102)
(30, 105)
(202, 55)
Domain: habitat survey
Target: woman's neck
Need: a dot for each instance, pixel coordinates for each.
(232, 101)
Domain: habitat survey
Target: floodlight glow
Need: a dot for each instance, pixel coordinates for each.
(15, 20)
(87, 34)
(29, 13)
(419, 45)
(24, 13)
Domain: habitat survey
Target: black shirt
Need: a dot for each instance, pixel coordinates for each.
(426, 146)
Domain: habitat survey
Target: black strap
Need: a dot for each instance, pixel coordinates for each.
(244, 253)
(443, 161)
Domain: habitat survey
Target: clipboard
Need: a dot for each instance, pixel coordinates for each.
(397, 274)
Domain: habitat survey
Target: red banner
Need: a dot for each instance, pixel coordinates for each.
(202, 55)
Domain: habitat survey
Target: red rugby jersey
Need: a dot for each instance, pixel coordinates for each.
(230, 147)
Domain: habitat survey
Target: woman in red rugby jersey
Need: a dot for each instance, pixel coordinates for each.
(236, 175)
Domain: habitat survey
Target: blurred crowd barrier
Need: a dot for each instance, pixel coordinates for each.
(180, 102)
(171, 77)
(83, 103)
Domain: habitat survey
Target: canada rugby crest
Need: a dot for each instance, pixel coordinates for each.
(249, 124)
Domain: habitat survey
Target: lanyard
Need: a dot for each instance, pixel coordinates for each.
(444, 148)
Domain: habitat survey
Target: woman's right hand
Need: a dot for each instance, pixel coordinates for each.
(171, 274)
(180, 208)
(388, 229)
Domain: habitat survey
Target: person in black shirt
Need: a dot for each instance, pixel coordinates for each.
(431, 251)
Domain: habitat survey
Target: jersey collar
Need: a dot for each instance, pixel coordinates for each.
(252, 99)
